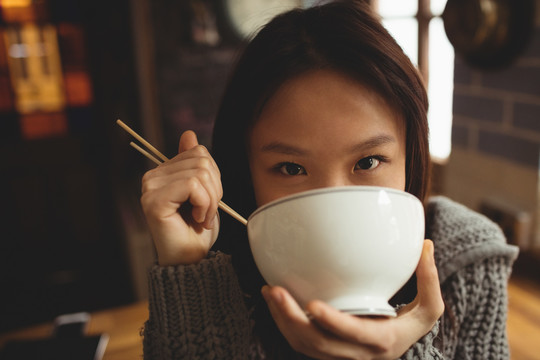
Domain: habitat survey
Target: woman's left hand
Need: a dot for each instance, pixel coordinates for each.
(330, 334)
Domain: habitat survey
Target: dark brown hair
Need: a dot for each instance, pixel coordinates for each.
(343, 36)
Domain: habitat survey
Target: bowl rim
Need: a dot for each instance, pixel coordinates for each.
(325, 190)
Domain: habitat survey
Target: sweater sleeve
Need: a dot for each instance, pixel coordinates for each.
(425, 348)
(474, 263)
(196, 312)
(474, 324)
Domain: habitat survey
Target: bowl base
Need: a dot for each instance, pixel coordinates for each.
(386, 312)
(363, 305)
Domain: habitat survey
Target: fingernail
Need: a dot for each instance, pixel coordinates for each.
(200, 217)
(431, 251)
(274, 297)
(314, 312)
(264, 292)
(210, 224)
(277, 297)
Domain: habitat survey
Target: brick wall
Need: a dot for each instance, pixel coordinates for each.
(496, 136)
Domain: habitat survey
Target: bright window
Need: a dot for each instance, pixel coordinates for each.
(418, 28)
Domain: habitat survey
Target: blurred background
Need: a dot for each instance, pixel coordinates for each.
(73, 237)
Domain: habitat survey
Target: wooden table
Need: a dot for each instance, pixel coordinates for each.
(122, 324)
(524, 319)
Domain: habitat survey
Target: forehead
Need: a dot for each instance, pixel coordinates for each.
(327, 101)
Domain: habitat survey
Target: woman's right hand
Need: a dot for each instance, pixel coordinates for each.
(180, 200)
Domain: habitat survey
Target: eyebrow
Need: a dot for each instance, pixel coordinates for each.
(282, 148)
(374, 142)
(287, 149)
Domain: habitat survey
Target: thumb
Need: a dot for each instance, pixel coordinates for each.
(188, 140)
(429, 290)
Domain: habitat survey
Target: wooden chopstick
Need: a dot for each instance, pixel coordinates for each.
(146, 153)
(221, 204)
(144, 142)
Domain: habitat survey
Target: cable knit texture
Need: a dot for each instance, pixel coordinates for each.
(198, 311)
(474, 264)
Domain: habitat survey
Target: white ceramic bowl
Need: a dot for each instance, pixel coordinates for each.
(353, 247)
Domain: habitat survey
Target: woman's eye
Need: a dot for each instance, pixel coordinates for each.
(291, 169)
(367, 163)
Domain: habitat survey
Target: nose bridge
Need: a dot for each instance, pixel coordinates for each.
(336, 178)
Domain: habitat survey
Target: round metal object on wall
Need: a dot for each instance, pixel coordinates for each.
(247, 16)
(489, 34)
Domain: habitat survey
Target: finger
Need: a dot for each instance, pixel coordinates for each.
(212, 184)
(429, 290)
(197, 157)
(419, 316)
(283, 306)
(205, 177)
(197, 163)
(370, 332)
(200, 199)
(162, 175)
(428, 306)
(166, 201)
(377, 337)
(204, 204)
(301, 333)
(177, 166)
(188, 140)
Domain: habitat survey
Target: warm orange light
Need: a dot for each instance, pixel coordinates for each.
(35, 68)
(42, 125)
(19, 11)
(15, 3)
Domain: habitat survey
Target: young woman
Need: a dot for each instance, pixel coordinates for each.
(320, 97)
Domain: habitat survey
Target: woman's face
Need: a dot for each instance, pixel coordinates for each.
(322, 129)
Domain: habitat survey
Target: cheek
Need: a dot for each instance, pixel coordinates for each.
(396, 177)
(399, 182)
(261, 192)
(401, 179)
(265, 187)
(393, 180)
(266, 191)
(262, 188)
(256, 182)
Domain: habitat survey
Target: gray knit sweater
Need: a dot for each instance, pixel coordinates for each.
(198, 311)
